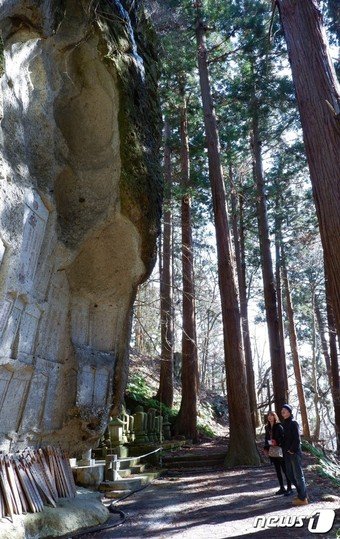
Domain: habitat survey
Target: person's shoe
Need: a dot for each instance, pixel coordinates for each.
(289, 492)
(281, 491)
(298, 501)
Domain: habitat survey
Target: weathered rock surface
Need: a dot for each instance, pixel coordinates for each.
(79, 210)
(83, 511)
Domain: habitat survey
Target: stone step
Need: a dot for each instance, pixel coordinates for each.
(195, 456)
(138, 468)
(193, 462)
(125, 464)
(125, 473)
(149, 476)
(128, 483)
(187, 457)
(115, 494)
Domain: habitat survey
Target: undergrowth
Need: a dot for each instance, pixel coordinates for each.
(327, 465)
(138, 393)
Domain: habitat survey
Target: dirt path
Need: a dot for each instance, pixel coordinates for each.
(218, 504)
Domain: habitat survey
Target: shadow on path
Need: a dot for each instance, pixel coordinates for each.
(216, 505)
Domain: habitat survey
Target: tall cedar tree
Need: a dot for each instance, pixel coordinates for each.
(186, 422)
(242, 448)
(315, 380)
(294, 346)
(278, 264)
(238, 235)
(335, 371)
(318, 98)
(322, 337)
(277, 358)
(165, 392)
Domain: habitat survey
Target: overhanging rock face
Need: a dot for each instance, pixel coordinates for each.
(79, 207)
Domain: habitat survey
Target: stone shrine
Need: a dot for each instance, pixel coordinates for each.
(144, 427)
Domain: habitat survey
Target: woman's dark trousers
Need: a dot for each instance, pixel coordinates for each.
(280, 467)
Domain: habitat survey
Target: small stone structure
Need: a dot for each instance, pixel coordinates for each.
(128, 438)
(127, 432)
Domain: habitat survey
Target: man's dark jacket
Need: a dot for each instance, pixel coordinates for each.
(291, 439)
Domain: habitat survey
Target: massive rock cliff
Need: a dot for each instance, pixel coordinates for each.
(79, 208)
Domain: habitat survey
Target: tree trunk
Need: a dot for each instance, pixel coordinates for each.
(318, 98)
(165, 392)
(316, 398)
(278, 242)
(186, 422)
(211, 319)
(294, 348)
(242, 286)
(279, 375)
(242, 448)
(323, 341)
(212, 366)
(205, 353)
(334, 367)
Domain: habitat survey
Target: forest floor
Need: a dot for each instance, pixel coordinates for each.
(216, 503)
(219, 503)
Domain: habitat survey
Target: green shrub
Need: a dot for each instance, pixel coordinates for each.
(137, 388)
(205, 430)
(138, 393)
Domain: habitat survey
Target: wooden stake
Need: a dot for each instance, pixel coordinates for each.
(26, 486)
(13, 486)
(24, 503)
(6, 489)
(49, 477)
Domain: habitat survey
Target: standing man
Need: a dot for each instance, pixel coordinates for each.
(292, 454)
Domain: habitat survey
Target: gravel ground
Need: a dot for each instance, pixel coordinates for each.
(218, 504)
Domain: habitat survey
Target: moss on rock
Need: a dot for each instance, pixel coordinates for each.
(139, 122)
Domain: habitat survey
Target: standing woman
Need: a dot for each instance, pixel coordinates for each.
(274, 437)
